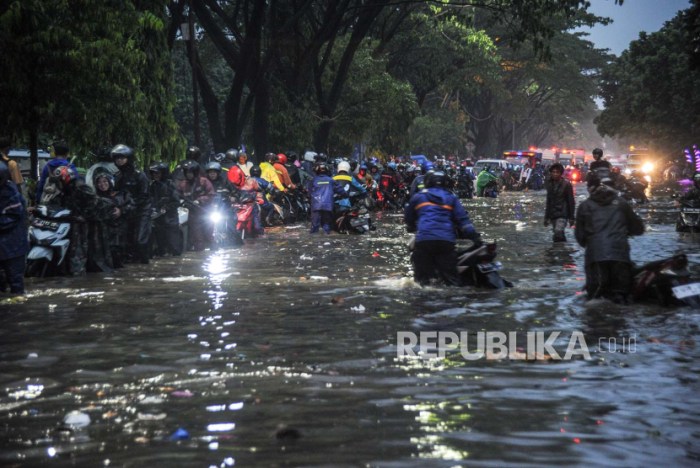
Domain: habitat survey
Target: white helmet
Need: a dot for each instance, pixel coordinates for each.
(344, 166)
(310, 156)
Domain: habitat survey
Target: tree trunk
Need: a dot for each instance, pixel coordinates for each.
(34, 152)
(261, 122)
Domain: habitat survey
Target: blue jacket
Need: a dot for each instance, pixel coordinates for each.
(50, 166)
(321, 190)
(349, 185)
(436, 214)
(13, 230)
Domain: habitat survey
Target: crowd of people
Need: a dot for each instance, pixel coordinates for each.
(134, 215)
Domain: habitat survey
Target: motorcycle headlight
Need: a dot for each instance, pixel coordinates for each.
(647, 168)
(647, 178)
(215, 217)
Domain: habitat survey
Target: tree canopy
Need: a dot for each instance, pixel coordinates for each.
(651, 94)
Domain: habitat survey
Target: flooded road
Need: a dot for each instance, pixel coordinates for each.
(284, 353)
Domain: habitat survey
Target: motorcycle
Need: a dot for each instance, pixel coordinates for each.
(49, 239)
(634, 190)
(689, 216)
(667, 282)
(491, 189)
(476, 266)
(247, 212)
(220, 216)
(355, 220)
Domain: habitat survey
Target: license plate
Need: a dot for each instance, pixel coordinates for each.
(45, 224)
(489, 267)
(686, 290)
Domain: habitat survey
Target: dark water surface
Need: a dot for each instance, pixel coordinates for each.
(283, 353)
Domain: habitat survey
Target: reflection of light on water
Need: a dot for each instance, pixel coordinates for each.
(439, 418)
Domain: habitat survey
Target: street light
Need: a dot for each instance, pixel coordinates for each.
(187, 31)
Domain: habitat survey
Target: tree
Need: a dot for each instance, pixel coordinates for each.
(650, 92)
(74, 70)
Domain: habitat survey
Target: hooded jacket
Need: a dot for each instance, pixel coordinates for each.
(13, 230)
(603, 223)
(321, 191)
(560, 200)
(436, 214)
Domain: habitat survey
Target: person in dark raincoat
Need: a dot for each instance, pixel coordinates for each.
(136, 183)
(436, 216)
(118, 209)
(167, 238)
(14, 243)
(603, 223)
(197, 193)
(561, 206)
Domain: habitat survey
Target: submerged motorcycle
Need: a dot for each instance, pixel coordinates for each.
(689, 216)
(476, 266)
(355, 220)
(667, 282)
(49, 239)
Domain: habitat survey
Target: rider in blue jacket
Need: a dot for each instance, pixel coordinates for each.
(321, 190)
(437, 217)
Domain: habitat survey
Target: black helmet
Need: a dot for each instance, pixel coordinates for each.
(321, 168)
(159, 167)
(271, 158)
(353, 165)
(190, 165)
(292, 156)
(321, 157)
(232, 154)
(123, 151)
(255, 171)
(4, 173)
(193, 153)
(219, 157)
(213, 166)
(103, 175)
(436, 179)
(597, 153)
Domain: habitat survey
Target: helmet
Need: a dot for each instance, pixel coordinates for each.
(282, 158)
(193, 153)
(104, 175)
(236, 176)
(271, 158)
(191, 165)
(4, 173)
(160, 167)
(392, 165)
(255, 171)
(353, 166)
(321, 168)
(696, 177)
(242, 155)
(232, 154)
(219, 157)
(344, 166)
(426, 166)
(292, 156)
(123, 151)
(213, 166)
(615, 170)
(597, 153)
(310, 156)
(65, 175)
(321, 157)
(436, 179)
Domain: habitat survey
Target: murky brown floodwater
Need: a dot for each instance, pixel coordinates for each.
(299, 332)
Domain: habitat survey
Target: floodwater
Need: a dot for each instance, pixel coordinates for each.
(284, 353)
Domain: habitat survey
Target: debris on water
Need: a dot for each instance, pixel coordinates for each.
(284, 432)
(180, 434)
(182, 394)
(76, 420)
(319, 278)
(375, 254)
(337, 300)
(360, 308)
(151, 417)
(305, 257)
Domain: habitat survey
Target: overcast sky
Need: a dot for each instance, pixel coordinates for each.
(629, 19)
